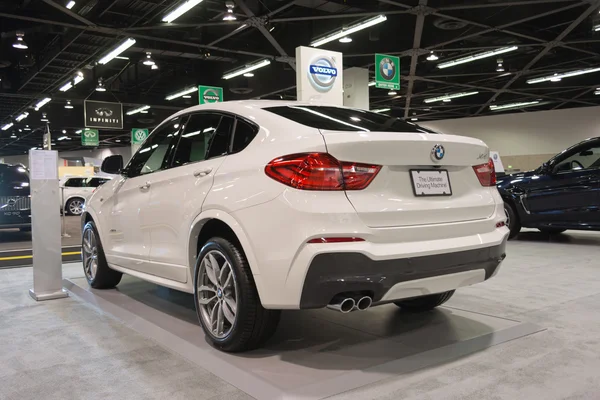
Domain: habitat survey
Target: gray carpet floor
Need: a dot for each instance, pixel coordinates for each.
(69, 349)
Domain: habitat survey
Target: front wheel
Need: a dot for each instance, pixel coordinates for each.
(227, 302)
(424, 303)
(512, 221)
(96, 269)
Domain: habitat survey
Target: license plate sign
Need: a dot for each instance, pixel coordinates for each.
(12, 213)
(430, 182)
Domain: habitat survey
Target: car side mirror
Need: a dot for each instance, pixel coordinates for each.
(112, 164)
(546, 168)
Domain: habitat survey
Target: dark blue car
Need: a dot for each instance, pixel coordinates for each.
(564, 193)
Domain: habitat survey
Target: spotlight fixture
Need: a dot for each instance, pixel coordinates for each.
(229, 15)
(7, 126)
(154, 67)
(381, 110)
(181, 93)
(27, 128)
(597, 28)
(148, 61)
(432, 56)
(449, 97)
(76, 79)
(248, 68)
(555, 77)
(372, 83)
(349, 30)
(597, 92)
(500, 66)
(346, 39)
(100, 87)
(44, 118)
(20, 42)
(22, 116)
(392, 93)
(70, 4)
(117, 51)
(42, 103)
(477, 56)
(137, 110)
(179, 11)
(68, 104)
(13, 136)
(64, 131)
(514, 105)
(248, 74)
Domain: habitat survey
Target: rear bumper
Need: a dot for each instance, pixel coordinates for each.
(332, 273)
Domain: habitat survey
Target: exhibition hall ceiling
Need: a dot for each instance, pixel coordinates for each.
(472, 57)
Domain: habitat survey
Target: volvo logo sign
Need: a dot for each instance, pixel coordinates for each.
(11, 202)
(438, 152)
(322, 73)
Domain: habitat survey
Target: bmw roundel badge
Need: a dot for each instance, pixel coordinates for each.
(438, 152)
(387, 68)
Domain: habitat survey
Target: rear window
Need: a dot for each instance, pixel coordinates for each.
(345, 119)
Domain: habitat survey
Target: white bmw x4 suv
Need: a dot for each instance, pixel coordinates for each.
(259, 206)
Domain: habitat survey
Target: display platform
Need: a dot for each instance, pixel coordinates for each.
(315, 353)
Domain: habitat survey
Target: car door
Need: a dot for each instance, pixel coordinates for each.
(128, 243)
(568, 194)
(72, 188)
(177, 193)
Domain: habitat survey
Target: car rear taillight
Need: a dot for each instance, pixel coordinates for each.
(486, 173)
(320, 171)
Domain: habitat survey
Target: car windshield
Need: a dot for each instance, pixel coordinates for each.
(13, 174)
(346, 119)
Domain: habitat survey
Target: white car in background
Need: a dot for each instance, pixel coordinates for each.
(259, 206)
(76, 189)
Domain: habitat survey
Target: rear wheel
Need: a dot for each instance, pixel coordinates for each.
(424, 303)
(96, 269)
(75, 206)
(552, 231)
(227, 301)
(512, 221)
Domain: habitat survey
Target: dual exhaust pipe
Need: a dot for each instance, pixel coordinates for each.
(348, 304)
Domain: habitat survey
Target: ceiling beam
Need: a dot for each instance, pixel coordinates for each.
(69, 12)
(501, 4)
(418, 34)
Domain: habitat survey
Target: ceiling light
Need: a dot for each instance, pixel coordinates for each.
(100, 87)
(181, 93)
(22, 116)
(597, 28)
(447, 100)
(346, 39)
(13, 136)
(27, 128)
(137, 110)
(597, 92)
(68, 105)
(187, 96)
(154, 66)
(563, 75)
(514, 105)
(248, 68)
(79, 131)
(20, 43)
(449, 97)
(70, 4)
(44, 118)
(500, 66)
(392, 93)
(62, 137)
(372, 83)
(248, 74)
(272, 28)
(7, 126)
(78, 78)
(144, 112)
(381, 110)
(64, 131)
(118, 50)
(506, 74)
(42, 103)
(229, 16)
(555, 78)
(348, 31)
(121, 58)
(432, 56)
(148, 61)
(477, 56)
(414, 119)
(179, 11)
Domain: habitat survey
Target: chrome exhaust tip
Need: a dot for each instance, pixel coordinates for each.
(344, 305)
(363, 303)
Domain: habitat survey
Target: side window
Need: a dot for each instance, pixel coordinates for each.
(154, 153)
(204, 136)
(75, 182)
(585, 158)
(244, 133)
(95, 182)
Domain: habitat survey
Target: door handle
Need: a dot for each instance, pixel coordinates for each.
(145, 186)
(202, 172)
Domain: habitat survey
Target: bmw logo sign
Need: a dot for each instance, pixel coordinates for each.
(387, 68)
(322, 73)
(438, 152)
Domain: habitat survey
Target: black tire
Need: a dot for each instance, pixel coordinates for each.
(68, 205)
(424, 303)
(552, 231)
(253, 325)
(104, 277)
(513, 222)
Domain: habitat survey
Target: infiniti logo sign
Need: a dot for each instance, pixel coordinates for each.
(322, 73)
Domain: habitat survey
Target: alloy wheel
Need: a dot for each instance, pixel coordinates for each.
(217, 294)
(89, 249)
(76, 207)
